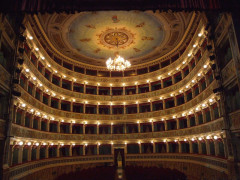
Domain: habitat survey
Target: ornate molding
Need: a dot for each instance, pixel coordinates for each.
(207, 128)
(118, 81)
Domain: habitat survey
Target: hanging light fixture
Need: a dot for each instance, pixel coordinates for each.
(118, 63)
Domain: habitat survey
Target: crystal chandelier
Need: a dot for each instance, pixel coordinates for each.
(117, 64)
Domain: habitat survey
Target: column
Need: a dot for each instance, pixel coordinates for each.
(38, 152)
(46, 151)
(97, 90)
(173, 79)
(15, 114)
(182, 73)
(216, 147)
(97, 109)
(48, 125)
(125, 148)
(178, 124)
(225, 147)
(150, 87)
(165, 125)
(151, 107)
(190, 146)
(58, 150)
(41, 96)
(199, 87)
(71, 85)
(84, 108)
(97, 149)
(31, 121)
(219, 108)
(97, 129)
(139, 128)
(110, 90)
(196, 118)
(167, 147)
(84, 150)
(59, 104)
(50, 76)
(37, 61)
(34, 90)
(179, 147)
(175, 101)
(207, 146)
(140, 148)
(23, 118)
(112, 149)
(11, 153)
(164, 104)
(124, 109)
(162, 86)
(206, 80)
(60, 81)
(124, 90)
(26, 84)
(137, 107)
(152, 126)
(189, 66)
(195, 59)
(185, 96)
(84, 128)
(70, 150)
(188, 121)
(203, 115)
(58, 126)
(39, 124)
(43, 70)
(211, 112)
(199, 147)
(20, 154)
(111, 109)
(193, 92)
(70, 128)
(137, 90)
(154, 147)
(84, 88)
(29, 155)
(111, 129)
(49, 100)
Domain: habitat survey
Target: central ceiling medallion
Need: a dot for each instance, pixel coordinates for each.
(116, 38)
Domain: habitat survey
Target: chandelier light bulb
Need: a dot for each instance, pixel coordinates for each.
(117, 64)
(20, 143)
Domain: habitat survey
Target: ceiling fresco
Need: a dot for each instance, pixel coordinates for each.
(93, 37)
(103, 34)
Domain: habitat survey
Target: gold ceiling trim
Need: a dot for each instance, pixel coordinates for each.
(102, 68)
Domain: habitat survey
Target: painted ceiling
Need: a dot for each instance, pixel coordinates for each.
(103, 34)
(93, 37)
